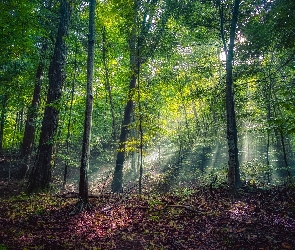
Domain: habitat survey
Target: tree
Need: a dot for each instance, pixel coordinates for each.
(232, 138)
(40, 177)
(107, 84)
(118, 173)
(147, 26)
(83, 184)
(282, 19)
(266, 56)
(30, 127)
(19, 29)
(32, 113)
(4, 100)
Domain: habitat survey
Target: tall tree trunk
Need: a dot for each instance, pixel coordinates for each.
(40, 177)
(30, 127)
(70, 120)
(285, 154)
(140, 129)
(2, 119)
(232, 138)
(268, 98)
(20, 120)
(118, 173)
(268, 147)
(107, 84)
(140, 51)
(141, 156)
(282, 138)
(83, 185)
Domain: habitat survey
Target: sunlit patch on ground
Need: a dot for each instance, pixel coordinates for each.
(188, 219)
(241, 211)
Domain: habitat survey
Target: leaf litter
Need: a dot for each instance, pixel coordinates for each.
(258, 219)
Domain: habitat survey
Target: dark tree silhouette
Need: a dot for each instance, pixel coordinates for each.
(232, 138)
(40, 177)
(83, 202)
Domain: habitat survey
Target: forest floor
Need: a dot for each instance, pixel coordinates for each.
(195, 218)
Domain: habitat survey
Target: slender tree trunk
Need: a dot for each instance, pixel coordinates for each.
(118, 173)
(282, 138)
(40, 177)
(107, 84)
(141, 158)
(280, 130)
(268, 98)
(70, 119)
(30, 127)
(20, 120)
(140, 128)
(285, 153)
(134, 154)
(232, 139)
(2, 119)
(267, 155)
(83, 185)
(139, 33)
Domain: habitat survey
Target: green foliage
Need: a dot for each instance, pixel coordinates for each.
(281, 17)
(35, 204)
(183, 192)
(181, 97)
(256, 173)
(3, 247)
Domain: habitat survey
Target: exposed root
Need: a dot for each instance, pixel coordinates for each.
(80, 207)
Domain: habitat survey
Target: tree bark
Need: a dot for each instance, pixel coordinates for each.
(4, 102)
(118, 173)
(40, 177)
(83, 185)
(117, 182)
(30, 127)
(268, 147)
(285, 154)
(108, 85)
(232, 138)
(70, 120)
(140, 145)
(139, 53)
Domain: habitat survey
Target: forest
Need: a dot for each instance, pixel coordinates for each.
(147, 124)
